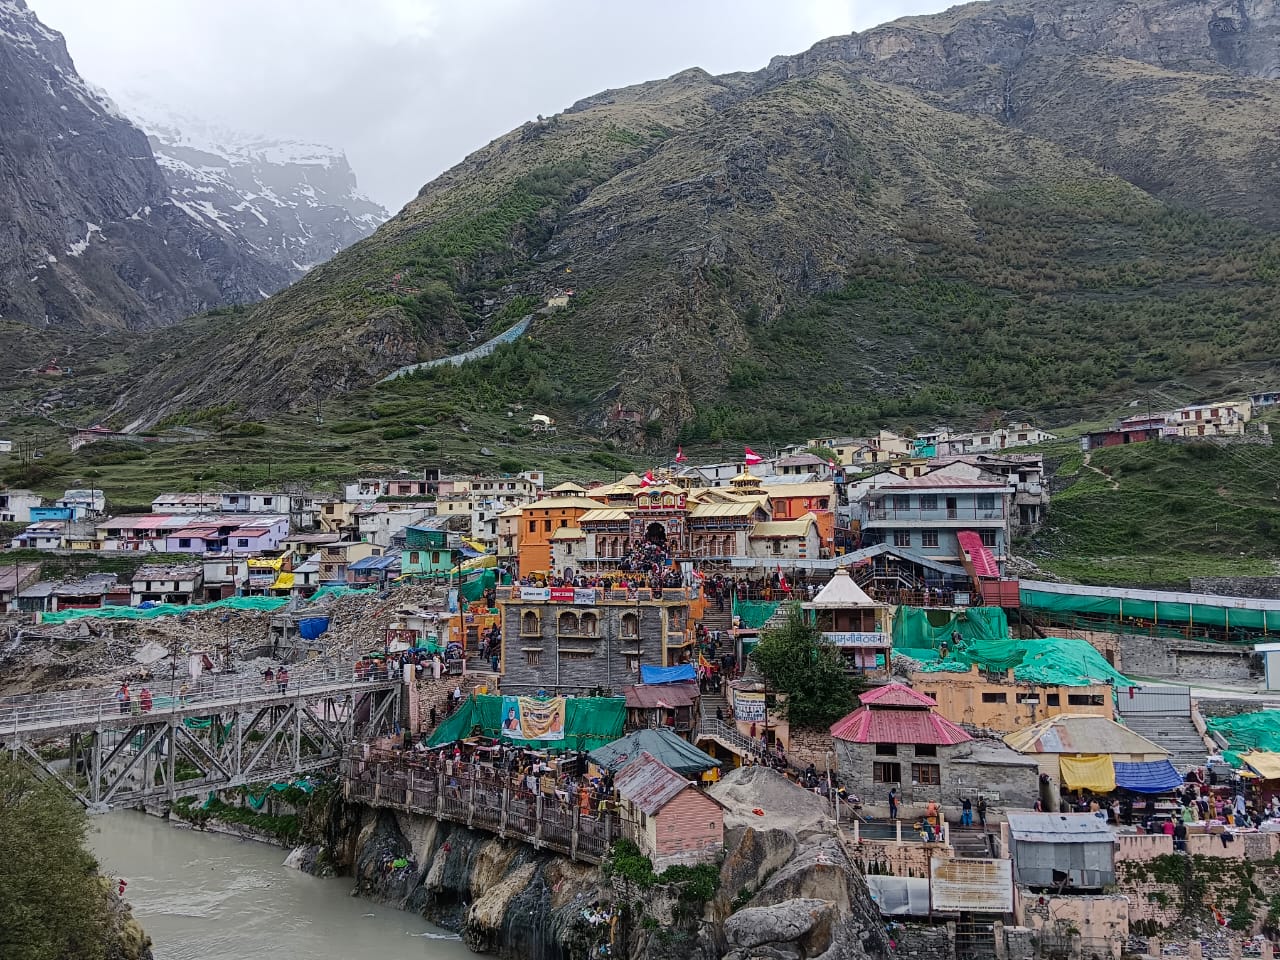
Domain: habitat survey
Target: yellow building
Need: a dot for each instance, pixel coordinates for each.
(976, 699)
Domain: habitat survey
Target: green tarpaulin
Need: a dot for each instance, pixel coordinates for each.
(1156, 613)
(473, 590)
(338, 590)
(754, 614)
(590, 722)
(680, 755)
(1054, 661)
(1248, 731)
(265, 604)
(919, 628)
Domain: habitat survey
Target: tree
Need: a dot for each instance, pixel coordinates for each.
(796, 660)
(52, 903)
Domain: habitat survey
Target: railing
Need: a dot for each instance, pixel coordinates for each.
(936, 513)
(590, 595)
(482, 798)
(101, 705)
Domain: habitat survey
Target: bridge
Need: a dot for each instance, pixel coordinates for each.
(480, 797)
(227, 731)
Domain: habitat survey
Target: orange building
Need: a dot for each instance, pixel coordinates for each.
(791, 501)
(538, 523)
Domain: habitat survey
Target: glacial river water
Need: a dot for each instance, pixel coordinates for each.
(204, 896)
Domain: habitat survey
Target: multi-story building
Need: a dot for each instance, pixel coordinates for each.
(190, 504)
(1226, 419)
(542, 518)
(15, 505)
(153, 583)
(925, 514)
(1025, 475)
(253, 501)
(84, 504)
(567, 640)
(994, 440)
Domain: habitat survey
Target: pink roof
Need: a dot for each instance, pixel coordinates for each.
(984, 562)
(198, 532)
(896, 695)
(251, 531)
(896, 725)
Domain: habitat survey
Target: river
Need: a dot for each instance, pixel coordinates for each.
(204, 896)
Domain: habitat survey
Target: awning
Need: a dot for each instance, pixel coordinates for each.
(1262, 762)
(1093, 772)
(1157, 776)
(680, 674)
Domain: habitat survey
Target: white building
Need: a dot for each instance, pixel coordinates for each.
(84, 504)
(15, 505)
(186, 504)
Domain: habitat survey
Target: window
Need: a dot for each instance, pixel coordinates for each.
(1084, 700)
(1053, 700)
(630, 625)
(902, 538)
(529, 624)
(901, 501)
(568, 624)
(886, 773)
(533, 658)
(435, 556)
(932, 695)
(415, 557)
(926, 774)
(184, 541)
(928, 538)
(546, 526)
(533, 525)
(886, 749)
(777, 546)
(995, 698)
(928, 501)
(926, 749)
(988, 537)
(986, 501)
(268, 501)
(242, 541)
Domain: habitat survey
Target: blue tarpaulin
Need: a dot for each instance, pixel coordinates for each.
(1158, 776)
(312, 627)
(680, 674)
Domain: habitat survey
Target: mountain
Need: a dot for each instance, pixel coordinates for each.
(1037, 206)
(89, 236)
(294, 204)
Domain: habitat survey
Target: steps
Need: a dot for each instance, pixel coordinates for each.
(970, 842)
(1175, 732)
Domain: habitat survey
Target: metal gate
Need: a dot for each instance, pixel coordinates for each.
(975, 936)
(1145, 699)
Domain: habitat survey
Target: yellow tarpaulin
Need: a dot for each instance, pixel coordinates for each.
(1093, 772)
(266, 563)
(1262, 762)
(283, 582)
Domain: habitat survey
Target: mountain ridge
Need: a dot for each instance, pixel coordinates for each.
(798, 238)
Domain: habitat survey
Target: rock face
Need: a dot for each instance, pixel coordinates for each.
(89, 236)
(293, 204)
(922, 197)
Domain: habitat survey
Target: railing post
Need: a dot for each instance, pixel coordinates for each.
(471, 801)
(440, 793)
(506, 810)
(573, 833)
(537, 818)
(898, 823)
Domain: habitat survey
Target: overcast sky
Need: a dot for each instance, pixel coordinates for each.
(407, 88)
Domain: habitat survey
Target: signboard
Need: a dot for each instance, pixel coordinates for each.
(562, 594)
(748, 706)
(535, 593)
(584, 596)
(869, 639)
(985, 886)
(525, 718)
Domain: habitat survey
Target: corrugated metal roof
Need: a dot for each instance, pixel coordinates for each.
(896, 695)
(611, 514)
(568, 533)
(665, 695)
(648, 783)
(740, 509)
(818, 488)
(784, 528)
(1060, 828)
(897, 725)
(1081, 733)
(984, 562)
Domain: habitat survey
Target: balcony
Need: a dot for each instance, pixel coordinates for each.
(937, 514)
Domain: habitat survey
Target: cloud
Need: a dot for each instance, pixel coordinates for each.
(408, 87)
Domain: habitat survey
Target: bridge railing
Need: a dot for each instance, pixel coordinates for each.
(65, 708)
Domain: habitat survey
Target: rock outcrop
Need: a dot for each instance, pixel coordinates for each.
(89, 236)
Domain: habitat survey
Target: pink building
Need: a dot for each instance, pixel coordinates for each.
(670, 819)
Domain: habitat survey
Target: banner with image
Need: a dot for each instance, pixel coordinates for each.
(748, 706)
(526, 718)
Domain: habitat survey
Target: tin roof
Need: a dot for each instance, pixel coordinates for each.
(664, 695)
(1081, 733)
(898, 725)
(649, 783)
(1059, 828)
(896, 695)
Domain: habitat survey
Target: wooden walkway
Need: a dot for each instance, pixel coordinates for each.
(482, 799)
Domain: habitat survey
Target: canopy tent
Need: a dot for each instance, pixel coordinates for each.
(656, 675)
(1262, 762)
(1156, 776)
(680, 755)
(589, 722)
(1094, 772)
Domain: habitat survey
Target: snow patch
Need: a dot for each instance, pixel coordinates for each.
(80, 246)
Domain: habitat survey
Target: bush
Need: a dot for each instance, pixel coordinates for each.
(399, 433)
(250, 429)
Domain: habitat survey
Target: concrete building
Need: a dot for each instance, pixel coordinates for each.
(336, 557)
(14, 578)
(666, 816)
(567, 640)
(253, 501)
(977, 700)
(15, 505)
(539, 520)
(189, 504)
(84, 504)
(1228, 418)
(153, 583)
(896, 739)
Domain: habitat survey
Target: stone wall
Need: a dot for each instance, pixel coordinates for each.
(924, 941)
(1186, 660)
(811, 745)
(1263, 588)
(892, 859)
(1098, 920)
(961, 775)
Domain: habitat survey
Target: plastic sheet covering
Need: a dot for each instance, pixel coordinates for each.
(1249, 731)
(266, 604)
(312, 627)
(1054, 661)
(590, 722)
(900, 896)
(1262, 762)
(1093, 772)
(1154, 611)
(926, 629)
(754, 614)
(473, 590)
(338, 590)
(656, 675)
(1156, 776)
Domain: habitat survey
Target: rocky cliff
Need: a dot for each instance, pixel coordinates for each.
(780, 895)
(294, 204)
(1034, 205)
(89, 236)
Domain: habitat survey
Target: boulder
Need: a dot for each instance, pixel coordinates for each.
(803, 923)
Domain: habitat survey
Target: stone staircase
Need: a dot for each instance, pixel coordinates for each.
(1175, 732)
(970, 842)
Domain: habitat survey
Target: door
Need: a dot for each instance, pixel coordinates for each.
(951, 508)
